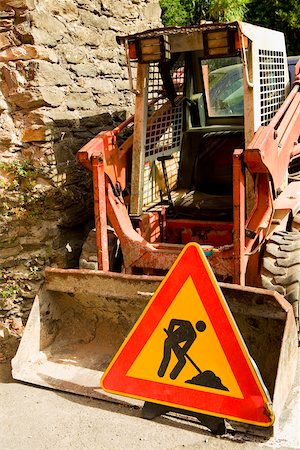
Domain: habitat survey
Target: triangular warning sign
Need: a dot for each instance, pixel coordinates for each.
(186, 351)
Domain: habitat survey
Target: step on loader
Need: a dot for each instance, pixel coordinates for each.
(211, 155)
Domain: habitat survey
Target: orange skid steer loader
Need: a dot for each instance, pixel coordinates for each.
(212, 156)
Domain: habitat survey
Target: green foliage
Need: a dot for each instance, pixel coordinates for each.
(227, 10)
(197, 10)
(21, 182)
(191, 12)
(281, 15)
(17, 167)
(21, 173)
(8, 291)
(173, 13)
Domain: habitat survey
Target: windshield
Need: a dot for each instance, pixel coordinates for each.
(223, 81)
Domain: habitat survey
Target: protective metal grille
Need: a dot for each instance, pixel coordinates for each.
(272, 88)
(164, 129)
(164, 132)
(155, 89)
(154, 183)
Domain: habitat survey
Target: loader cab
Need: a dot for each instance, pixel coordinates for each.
(192, 81)
(213, 129)
(201, 93)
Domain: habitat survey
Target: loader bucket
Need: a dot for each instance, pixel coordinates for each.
(80, 318)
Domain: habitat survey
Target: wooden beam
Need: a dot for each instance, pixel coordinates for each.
(139, 139)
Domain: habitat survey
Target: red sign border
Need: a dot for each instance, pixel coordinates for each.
(254, 408)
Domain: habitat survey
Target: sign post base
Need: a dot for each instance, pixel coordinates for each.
(215, 424)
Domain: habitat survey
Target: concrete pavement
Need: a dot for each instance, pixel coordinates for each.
(40, 419)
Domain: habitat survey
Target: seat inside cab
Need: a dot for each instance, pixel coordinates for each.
(214, 129)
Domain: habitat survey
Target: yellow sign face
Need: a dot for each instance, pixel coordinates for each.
(186, 351)
(205, 352)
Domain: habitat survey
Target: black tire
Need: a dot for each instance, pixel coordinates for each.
(281, 267)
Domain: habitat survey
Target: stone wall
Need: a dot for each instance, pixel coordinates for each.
(63, 79)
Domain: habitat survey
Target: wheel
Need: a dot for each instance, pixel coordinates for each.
(281, 267)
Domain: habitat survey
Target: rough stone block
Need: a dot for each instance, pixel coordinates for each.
(109, 99)
(8, 39)
(17, 4)
(86, 36)
(35, 98)
(74, 55)
(90, 5)
(53, 95)
(98, 119)
(11, 80)
(44, 231)
(61, 117)
(76, 87)
(7, 138)
(85, 70)
(108, 39)
(6, 11)
(6, 24)
(47, 22)
(48, 74)
(23, 29)
(36, 134)
(23, 52)
(109, 68)
(80, 101)
(43, 37)
(94, 20)
(8, 131)
(66, 9)
(100, 85)
(115, 24)
(47, 54)
(27, 99)
(10, 251)
(31, 119)
(106, 53)
(122, 85)
(3, 105)
(121, 9)
(152, 11)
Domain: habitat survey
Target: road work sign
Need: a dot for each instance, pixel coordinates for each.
(186, 351)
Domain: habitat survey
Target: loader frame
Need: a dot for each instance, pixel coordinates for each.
(273, 208)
